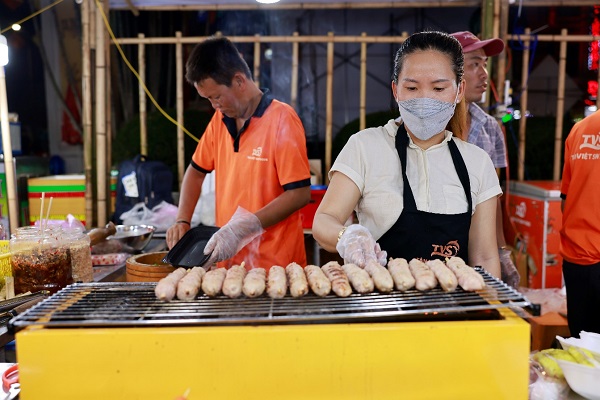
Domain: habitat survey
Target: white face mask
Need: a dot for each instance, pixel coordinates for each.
(425, 117)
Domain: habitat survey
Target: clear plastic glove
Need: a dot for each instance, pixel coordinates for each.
(509, 272)
(241, 229)
(357, 246)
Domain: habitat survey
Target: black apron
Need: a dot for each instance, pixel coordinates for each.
(419, 234)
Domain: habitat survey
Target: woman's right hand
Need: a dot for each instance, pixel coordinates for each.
(175, 232)
(357, 246)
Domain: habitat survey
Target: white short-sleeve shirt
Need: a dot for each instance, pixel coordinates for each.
(371, 161)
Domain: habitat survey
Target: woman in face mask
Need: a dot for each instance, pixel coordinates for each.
(418, 190)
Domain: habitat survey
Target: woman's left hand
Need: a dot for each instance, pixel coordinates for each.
(357, 246)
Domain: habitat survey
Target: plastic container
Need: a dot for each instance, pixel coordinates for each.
(5, 267)
(307, 213)
(82, 269)
(40, 260)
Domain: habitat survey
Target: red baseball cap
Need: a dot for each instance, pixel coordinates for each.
(470, 42)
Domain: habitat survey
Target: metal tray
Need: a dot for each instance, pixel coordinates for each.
(135, 304)
(189, 251)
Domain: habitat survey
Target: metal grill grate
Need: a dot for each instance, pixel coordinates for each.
(134, 304)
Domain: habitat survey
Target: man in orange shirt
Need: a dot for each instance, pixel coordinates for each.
(580, 232)
(257, 147)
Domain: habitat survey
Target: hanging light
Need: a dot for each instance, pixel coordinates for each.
(3, 51)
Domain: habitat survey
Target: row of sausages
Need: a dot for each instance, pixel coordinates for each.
(332, 277)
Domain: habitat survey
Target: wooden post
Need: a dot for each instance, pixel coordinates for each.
(9, 166)
(487, 31)
(501, 69)
(86, 93)
(363, 84)
(108, 107)
(329, 107)
(179, 101)
(100, 120)
(598, 90)
(257, 59)
(560, 105)
(523, 121)
(142, 97)
(294, 83)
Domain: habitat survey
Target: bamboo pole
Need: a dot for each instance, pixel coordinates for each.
(487, 15)
(9, 166)
(257, 59)
(108, 106)
(100, 120)
(523, 120)
(264, 39)
(142, 97)
(294, 83)
(329, 107)
(179, 105)
(363, 85)
(598, 87)
(333, 5)
(86, 89)
(501, 58)
(560, 105)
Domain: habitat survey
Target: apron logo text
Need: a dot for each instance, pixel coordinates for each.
(449, 249)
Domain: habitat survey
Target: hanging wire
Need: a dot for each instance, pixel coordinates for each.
(31, 16)
(133, 70)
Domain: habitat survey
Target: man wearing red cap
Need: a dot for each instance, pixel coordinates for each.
(483, 129)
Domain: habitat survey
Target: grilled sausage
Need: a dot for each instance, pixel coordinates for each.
(234, 280)
(277, 282)
(468, 278)
(381, 277)
(189, 286)
(254, 282)
(297, 280)
(339, 281)
(166, 288)
(319, 283)
(424, 276)
(359, 278)
(213, 281)
(400, 273)
(445, 277)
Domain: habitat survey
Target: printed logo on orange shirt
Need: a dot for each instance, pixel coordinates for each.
(256, 155)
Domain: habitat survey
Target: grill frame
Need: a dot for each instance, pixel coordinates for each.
(94, 305)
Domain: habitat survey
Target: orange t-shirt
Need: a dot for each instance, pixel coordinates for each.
(268, 158)
(580, 233)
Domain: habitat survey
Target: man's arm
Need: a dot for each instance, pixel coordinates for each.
(283, 206)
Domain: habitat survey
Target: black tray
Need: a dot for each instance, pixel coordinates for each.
(189, 251)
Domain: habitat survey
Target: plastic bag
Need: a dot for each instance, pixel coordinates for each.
(67, 223)
(204, 213)
(542, 386)
(162, 216)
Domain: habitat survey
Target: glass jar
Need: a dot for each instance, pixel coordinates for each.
(40, 260)
(82, 269)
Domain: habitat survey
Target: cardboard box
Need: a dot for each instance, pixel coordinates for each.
(67, 193)
(545, 328)
(532, 223)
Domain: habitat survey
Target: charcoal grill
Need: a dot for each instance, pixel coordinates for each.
(129, 304)
(117, 341)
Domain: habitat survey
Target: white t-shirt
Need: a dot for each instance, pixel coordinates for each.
(371, 161)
